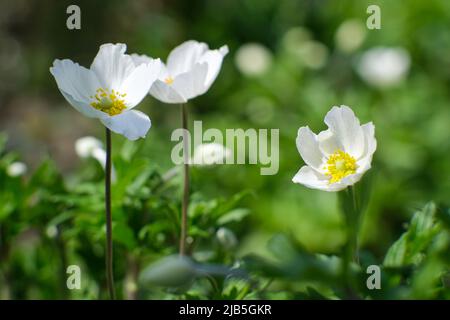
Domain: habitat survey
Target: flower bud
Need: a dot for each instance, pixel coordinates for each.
(226, 238)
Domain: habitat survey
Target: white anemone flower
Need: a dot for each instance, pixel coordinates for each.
(384, 67)
(85, 146)
(90, 147)
(190, 71)
(210, 153)
(339, 156)
(16, 169)
(110, 89)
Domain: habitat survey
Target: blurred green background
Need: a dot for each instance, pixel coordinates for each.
(289, 63)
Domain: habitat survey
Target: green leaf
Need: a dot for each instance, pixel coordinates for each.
(443, 214)
(235, 215)
(396, 253)
(409, 248)
(60, 218)
(282, 248)
(47, 176)
(6, 209)
(294, 263)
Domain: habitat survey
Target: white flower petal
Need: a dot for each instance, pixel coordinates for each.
(308, 146)
(214, 60)
(384, 67)
(328, 143)
(347, 130)
(352, 178)
(132, 124)
(16, 169)
(77, 84)
(138, 83)
(139, 59)
(185, 56)
(370, 144)
(191, 84)
(85, 146)
(310, 178)
(166, 93)
(191, 69)
(84, 108)
(369, 137)
(112, 66)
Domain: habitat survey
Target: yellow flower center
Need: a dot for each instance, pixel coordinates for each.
(111, 103)
(339, 165)
(168, 80)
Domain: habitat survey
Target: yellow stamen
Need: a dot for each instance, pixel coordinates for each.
(111, 103)
(339, 165)
(168, 80)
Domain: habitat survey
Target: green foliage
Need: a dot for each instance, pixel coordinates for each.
(410, 247)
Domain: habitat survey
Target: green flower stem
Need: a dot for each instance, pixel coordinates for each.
(353, 226)
(185, 204)
(61, 248)
(109, 244)
(352, 213)
(351, 209)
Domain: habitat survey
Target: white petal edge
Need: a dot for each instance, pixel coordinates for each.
(112, 66)
(328, 143)
(84, 108)
(347, 129)
(132, 124)
(214, 60)
(308, 147)
(310, 178)
(138, 84)
(76, 84)
(353, 178)
(139, 59)
(370, 146)
(166, 93)
(191, 84)
(182, 58)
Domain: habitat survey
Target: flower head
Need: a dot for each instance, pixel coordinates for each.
(190, 71)
(86, 146)
(339, 156)
(16, 169)
(384, 67)
(90, 147)
(112, 86)
(226, 238)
